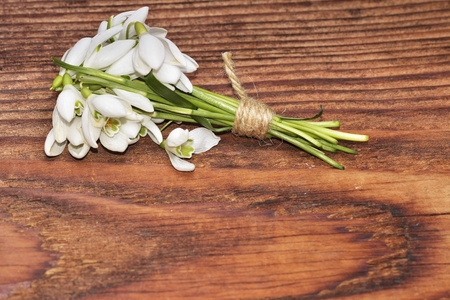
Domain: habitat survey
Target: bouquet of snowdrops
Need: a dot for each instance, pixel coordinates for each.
(118, 85)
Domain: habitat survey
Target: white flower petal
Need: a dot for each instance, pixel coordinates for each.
(79, 151)
(140, 66)
(180, 164)
(90, 132)
(51, 146)
(77, 54)
(102, 37)
(130, 128)
(74, 133)
(203, 139)
(124, 65)
(117, 143)
(168, 74)
(151, 50)
(109, 54)
(102, 27)
(157, 32)
(153, 131)
(184, 84)
(109, 106)
(135, 100)
(173, 54)
(139, 15)
(60, 126)
(133, 141)
(65, 103)
(63, 58)
(191, 65)
(177, 137)
(122, 17)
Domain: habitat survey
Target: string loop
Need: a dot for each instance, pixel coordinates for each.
(252, 117)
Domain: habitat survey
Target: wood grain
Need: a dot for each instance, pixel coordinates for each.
(254, 220)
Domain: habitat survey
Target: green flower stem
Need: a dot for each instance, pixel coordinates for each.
(306, 147)
(312, 129)
(194, 112)
(201, 104)
(297, 132)
(328, 124)
(339, 134)
(214, 100)
(339, 147)
(229, 100)
(135, 88)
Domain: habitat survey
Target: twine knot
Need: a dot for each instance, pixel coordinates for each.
(252, 117)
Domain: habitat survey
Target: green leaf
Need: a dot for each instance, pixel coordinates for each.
(160, 89)
(305, 119)
(163, 91)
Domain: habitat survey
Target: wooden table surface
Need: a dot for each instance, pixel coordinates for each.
(255, 219)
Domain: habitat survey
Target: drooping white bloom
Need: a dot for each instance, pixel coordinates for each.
(77, 146)
(111, 119)
(182, 143)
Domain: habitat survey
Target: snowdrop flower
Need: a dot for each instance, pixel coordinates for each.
(111, 119)
(183, 143)
(66, 122)
(158, 54)
(69, 103)
(78, 147)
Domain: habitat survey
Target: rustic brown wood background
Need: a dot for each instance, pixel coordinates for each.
(254, 220)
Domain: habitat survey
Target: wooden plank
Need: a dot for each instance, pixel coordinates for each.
(255, 219)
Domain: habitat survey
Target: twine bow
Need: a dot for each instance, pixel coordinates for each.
(252, 117)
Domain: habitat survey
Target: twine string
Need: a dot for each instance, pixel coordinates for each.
(252, 117)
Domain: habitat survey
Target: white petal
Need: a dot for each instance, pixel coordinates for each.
(79, 151)
(168, 74)
(140, 66)
(173, 54)
(63, 58)
(120, 18)
(153, 130)
(158, 121)
(90, 132)
(135, 100)
(130, 129)
(66, 102)
(177, 137)
(77, 54)
(74, 133)
(102, 27)
(203, 139)
(60, 126)
(101, 38)
(151, 50)
(51, 146)
(123, 66)
(157, 32)
(191, 65)
(184, 84)
(139, 15)
(109, 54)
(117, 143)
(109, 106)
(180, 164)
